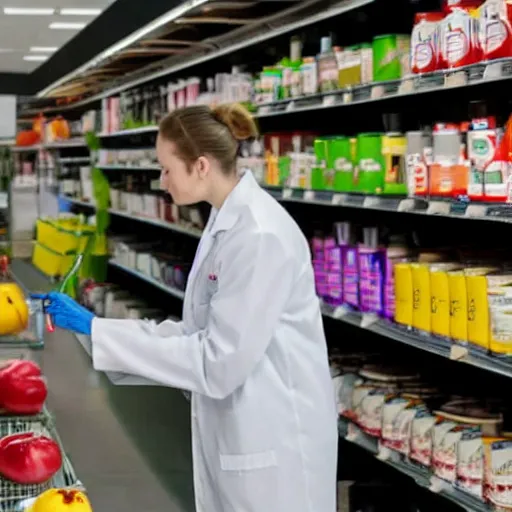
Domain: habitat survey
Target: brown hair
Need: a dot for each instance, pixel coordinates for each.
(201, 130)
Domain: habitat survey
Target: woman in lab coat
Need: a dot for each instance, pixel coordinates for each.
(250, 347)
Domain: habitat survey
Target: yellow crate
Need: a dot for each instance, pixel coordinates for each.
(63, 235)
(51, 263)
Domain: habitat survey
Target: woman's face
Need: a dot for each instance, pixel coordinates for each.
(185, 186)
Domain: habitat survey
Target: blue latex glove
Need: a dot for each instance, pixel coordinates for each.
(65, 312)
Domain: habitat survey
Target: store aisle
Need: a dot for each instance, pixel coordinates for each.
(126, 443)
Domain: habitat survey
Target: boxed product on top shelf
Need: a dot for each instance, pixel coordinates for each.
(447, 295)
(459, 439)
(465, 32)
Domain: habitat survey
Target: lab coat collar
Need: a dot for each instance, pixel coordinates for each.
(226, 217)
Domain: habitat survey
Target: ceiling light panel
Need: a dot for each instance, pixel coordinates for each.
(28, 11)
(43, 49)
(35, 58)
(62, 25)
(72, 11)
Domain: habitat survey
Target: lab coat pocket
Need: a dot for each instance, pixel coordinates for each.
(250, 482)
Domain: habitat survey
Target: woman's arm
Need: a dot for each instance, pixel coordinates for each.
(254, 284)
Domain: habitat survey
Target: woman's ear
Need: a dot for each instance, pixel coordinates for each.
(203, 166)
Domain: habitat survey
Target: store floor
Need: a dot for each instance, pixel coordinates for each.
(130, 446)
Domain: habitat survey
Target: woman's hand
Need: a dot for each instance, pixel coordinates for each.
(65, 312)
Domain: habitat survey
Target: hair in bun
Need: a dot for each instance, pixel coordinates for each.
(201, 131)
(238, 120)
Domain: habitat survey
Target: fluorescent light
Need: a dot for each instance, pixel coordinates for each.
(163, 20)
(43, 49)
(35, 57)
(79, 12)
(28, 11)
(58, 25)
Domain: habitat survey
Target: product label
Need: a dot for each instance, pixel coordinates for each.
(402, 430)
(423, 44)
(371, 413)
(421, 438)
(499, 479)
(444, 450)
(343, 164)
(390, 413)
(470, 462)
(369, 165)
(351, 278)
(371, 282)
(493, 25)
(455, 37)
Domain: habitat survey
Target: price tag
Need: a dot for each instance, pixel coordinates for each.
(353, 433)
(368, 319)
(437, 485)
(371, 202)
(476, 210)
(384, 453)
(439, 208)
(493, 71)
(406, 205)
(309, 195)
(377, 92)
(287, 193)
(337, 199)
(406, 87)
(329, 101)
(455, 79)
(340, 312)
(347, 97)
(264, 110)
(290, 106)
(458, 353)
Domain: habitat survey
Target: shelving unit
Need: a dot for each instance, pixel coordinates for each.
(349, 110)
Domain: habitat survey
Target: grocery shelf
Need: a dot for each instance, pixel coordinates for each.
(268, 27)
(437, 81)
(419, 206)
(178, 228)
(127, 167)
(131, 131)
(171, 291)
(72, 143)
(422, 341)
(422, 476)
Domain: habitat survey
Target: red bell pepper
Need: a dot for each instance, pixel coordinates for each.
(23, 396)
(22, 388)
(29, 458)
(18, 368)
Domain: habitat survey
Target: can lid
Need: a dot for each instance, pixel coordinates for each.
(384, 36)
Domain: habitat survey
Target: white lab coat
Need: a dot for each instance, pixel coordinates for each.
(252, 351)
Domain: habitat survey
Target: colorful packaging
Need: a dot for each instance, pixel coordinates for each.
(449, 172)
(440, 298)
(317, 246)
(369, 174)
(458, 306)
(391, 428)
(394, 147)
(485, 176)
(403, 294)
(394, 255)
(351, 277)
(333, 270)
(478, 306)
(418, 161)
(421, 310)
(497, 471)
(422, 437)
(339, 159)
(318, 173)
(424, 42)
(390, 57)
(371, 280)
(458, 37)
(402, 433)
(495, 22)
(470, 462)
(499, 296)
(445, 439)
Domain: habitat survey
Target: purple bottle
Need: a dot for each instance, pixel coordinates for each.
(371, 273)
(317, 246)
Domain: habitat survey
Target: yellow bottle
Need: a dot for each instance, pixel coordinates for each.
(403, 294)
(478, 306)
(440, 298)
(458, 306)
(421, 297)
